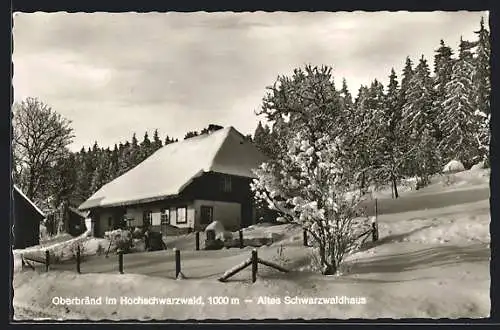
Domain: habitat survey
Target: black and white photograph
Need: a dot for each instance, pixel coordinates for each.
(180, 166)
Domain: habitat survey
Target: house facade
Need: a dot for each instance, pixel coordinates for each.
(187, 184)
(26, 219)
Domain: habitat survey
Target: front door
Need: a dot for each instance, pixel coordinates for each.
(246, 215)
(206, 215)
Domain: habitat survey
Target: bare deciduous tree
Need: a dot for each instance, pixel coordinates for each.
(41, 137)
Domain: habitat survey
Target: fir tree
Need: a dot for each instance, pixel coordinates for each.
(134, 152)
(426, 159)
(99, 177)
(391, 145)
(417, 117)
(113, 167)
(417, 110)
(482, 84)
(125, 161)
(169, 140)
(443, 69)
(346, 96)
(145, 148)
(407, 75)
(157, 144)
(262, 139)
(190, 134)
(457, 120)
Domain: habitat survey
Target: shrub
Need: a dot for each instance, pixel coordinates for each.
(137, 233)
(74, 249)
(122, 239)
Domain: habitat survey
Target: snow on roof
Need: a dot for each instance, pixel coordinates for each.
(170, 169)
(78, 212)
(29, 201)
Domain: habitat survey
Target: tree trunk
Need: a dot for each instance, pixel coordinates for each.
(363, 181)
(329, 268)
(395, 187)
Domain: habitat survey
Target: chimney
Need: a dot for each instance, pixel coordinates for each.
(213, 127)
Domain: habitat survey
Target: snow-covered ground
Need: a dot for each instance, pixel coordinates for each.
(440, 182)
(60, 246)
(429, 263)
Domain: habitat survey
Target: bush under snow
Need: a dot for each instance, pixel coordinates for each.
(453, 167)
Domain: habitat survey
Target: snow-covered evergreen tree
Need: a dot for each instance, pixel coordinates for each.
(406, 77)
(418, 116)
(100, 175)
(145, 148)
(309, 180)
(482, 86)
(458, 121)
(157, 143)
(443, 69)
(482, 70)
(346, 97)
(391, 145)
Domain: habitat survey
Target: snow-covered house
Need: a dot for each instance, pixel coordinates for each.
(26, 218)
(186, 184)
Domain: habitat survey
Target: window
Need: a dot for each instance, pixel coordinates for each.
(165, 219)
(226, 184)
(181, 215)
(173, 216)
(206, 215)
(110, 222)
(147, 216)
(156, 219)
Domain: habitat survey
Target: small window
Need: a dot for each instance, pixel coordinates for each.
(206, 215)
(181, 215)
(146, 218)
(226, 184)
(165, 219)
(110, 222)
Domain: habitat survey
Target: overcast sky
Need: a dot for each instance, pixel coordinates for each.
(116, 74)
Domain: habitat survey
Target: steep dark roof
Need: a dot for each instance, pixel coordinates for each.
(16, 188)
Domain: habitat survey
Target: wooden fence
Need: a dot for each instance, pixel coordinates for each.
(253, 260)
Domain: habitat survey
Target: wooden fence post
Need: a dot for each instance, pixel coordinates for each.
(255, 265)
(241, 239)
(374, 231)
(376, 208)
(177, 262)
(304, 235)
(78, 259)
(120, 261)
(47, 260)
(197, 237)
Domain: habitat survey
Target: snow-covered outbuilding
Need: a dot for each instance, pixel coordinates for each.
(453, 166)
(187, 184)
